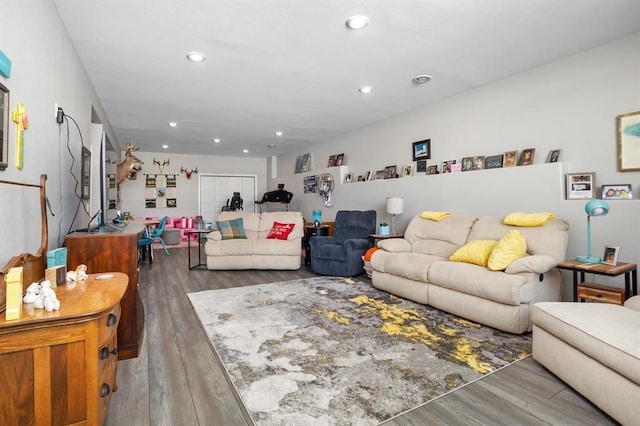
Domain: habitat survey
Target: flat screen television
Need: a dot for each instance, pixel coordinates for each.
(102, 224)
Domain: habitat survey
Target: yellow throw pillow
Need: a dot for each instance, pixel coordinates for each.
(512, 246)
(435, 215)
(528, 219)
(476, 252)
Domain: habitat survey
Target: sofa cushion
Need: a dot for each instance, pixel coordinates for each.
(549, 239)
(476, 252)
(280, 231)
(528, 219)
(481, 282)
(267, 219)
(437, 216)
(231, 229)
(603, 331)
(512, 246)
(414, 266)
(440, 238)
(633, 303)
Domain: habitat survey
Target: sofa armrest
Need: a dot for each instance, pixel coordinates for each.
(395, 245)
(538, 264)
(214, 236)
(319, 240)
(633, 303)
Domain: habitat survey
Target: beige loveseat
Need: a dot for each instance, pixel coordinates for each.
(595, 349)
(256, 251)
(416, 267)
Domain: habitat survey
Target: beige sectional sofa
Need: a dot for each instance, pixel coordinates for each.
(256, 251)
(416, 267)
(595, 349)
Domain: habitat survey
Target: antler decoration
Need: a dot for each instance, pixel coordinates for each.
(130, 165)
(188, 174)
(160, 166)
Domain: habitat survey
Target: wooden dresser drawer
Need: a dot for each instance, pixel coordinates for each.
(600, 293)
(108, 325)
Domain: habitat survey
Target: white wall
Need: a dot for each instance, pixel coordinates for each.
(132, 191)
(45, 70)
(571, 104)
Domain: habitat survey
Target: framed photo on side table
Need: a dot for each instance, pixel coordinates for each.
(610, 256)
(581, 186)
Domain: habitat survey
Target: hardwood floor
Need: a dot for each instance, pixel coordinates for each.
(178, 379)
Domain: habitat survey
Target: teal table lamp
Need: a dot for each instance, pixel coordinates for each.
(593, 208)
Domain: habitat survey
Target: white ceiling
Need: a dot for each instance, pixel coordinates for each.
(292, 65)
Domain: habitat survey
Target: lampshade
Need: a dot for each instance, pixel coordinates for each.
(395, 205)
(593, 208)
(596, 208)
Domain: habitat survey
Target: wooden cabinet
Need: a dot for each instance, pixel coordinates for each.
(59, 368)
(114, 251)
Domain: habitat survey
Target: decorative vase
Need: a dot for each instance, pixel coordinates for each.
(383, 230)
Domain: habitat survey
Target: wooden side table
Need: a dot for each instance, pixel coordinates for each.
(312, 231)
(596, 291)
(375, 237)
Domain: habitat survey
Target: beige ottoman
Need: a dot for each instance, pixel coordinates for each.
(595, 348)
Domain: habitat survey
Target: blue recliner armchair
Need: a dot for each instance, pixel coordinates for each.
(341, 254)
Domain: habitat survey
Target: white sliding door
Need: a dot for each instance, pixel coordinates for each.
(215, 190)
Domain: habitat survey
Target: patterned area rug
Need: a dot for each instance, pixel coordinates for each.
(334, 351)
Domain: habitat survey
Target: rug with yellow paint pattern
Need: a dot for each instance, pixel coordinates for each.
(336, 351)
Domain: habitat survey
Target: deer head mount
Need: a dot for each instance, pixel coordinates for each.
(160, 166)
(188, 174)
(130, 165)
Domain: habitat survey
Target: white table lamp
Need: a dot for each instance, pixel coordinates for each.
(395, 206)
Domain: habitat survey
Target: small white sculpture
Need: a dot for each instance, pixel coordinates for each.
(50, 301)
(33, 291)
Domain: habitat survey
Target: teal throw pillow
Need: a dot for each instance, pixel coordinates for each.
(231, 229)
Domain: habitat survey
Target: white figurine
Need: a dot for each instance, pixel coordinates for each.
(50, 301)
(32, 293)
(80, 274)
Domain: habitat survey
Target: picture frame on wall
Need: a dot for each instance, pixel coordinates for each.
(628, 126)
(421, 166)
(494, 161)
(432, 170)
(617, 192)
(526, 157)
(510, 159)
(580, 186)
(446, 166)
(407, 170)
(4, 127)
(422, 150)
(553, 156)
(467, 164)
(610, 256)
(390, 172)
(478, 162)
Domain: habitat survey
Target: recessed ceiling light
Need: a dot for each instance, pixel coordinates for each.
(216, 140)
(165, 146)
(422, 78)
(278, 133)
(172, 124)
(271, 145)
(366, 89)
(245, 150)
(357, 22)
(196, 56)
